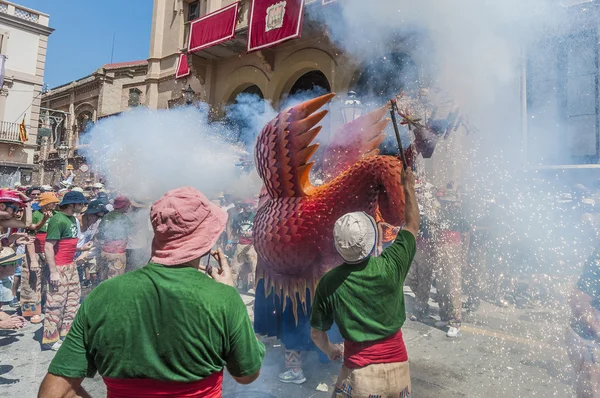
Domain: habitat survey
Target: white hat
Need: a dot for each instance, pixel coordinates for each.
(98, 185)
(77, 189)
(17, 184)
(355, 236)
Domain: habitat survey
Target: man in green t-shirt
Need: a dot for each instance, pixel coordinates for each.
(64, 293)
(364, 297)
(169, 328)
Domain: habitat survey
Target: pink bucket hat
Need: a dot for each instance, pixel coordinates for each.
(186, 225)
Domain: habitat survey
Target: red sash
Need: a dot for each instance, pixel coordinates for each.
(64, 251)
(210, 387)
(388, 350)
(114, 246)
(40, 241)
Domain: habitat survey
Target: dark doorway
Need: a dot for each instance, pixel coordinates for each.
(311, 81)
(243, 113)
(387, 76)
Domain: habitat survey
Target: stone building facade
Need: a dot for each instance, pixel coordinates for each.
(23, 41)
(72, 108)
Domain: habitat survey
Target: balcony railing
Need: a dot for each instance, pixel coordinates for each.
(9, 132)
(24, 13)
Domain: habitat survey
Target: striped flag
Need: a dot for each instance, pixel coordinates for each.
(23, 131)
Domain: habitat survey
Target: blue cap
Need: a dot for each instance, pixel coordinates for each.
(73, 197)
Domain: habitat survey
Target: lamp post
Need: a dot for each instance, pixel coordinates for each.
(351, 108)
(188, 95)
(63, 155)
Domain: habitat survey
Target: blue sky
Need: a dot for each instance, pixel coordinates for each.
(82, 40)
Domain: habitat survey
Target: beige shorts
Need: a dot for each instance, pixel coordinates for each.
(378, 380)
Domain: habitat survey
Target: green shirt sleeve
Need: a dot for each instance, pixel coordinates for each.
(401, 253)
(321, 314)
(246, 353)
(55, 228)
(72, 359)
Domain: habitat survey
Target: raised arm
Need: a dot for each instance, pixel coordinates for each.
(411, 208)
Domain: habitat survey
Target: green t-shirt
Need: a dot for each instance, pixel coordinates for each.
(61, 226)
(366, 300)
(162, 323)
(38, 216)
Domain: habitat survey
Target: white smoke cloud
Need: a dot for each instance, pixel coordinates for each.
(144, 153)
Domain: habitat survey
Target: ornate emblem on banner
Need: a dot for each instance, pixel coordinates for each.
(275, 14)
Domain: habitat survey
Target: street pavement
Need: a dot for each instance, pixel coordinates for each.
(502, 352)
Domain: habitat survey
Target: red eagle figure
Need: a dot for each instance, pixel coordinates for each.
(293, 227)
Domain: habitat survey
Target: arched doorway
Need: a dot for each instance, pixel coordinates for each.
(313, 81)
(244, 113)
(387, 76)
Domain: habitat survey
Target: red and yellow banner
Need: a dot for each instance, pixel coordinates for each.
(274, 21)
(23, 137)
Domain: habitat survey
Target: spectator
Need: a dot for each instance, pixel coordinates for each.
(112, 236)
(8, 265)
(180, 327)
(68, 178)
(31, 294)
(241, 235)
(583, 335)
(364, 297)
(64, 287)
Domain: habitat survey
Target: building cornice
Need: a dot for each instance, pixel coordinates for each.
(25, 25)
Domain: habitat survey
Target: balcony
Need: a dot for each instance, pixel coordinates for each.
(9, 132)
(24, 13)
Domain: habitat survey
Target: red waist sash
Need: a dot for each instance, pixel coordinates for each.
(115, 246)
(210, 387)
(40, 241)
(64, 251)
(388, 350)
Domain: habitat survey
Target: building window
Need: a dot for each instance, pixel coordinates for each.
(134, 97)
(196, 9)
(562, 100)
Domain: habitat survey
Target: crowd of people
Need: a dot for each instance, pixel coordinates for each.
(163, 313)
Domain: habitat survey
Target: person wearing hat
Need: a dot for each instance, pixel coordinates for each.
(86, 256)
(69, 177)
(450, 259)
(240, 234)
(139, 239)
(32, 274)
(64, 291)
(96, 188)
(113, 231)
(8, 264)
(169, 328)
(364, 298)
(15, 209)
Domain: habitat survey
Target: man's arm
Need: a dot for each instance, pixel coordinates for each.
(62, 387)
(411, 207)
(49, 252)
(246, 352)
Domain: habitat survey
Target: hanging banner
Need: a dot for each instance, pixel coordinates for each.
(274, 21)
(183, 68)
(214, 28)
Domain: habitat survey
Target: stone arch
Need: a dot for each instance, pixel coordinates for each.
(298, 64)
(238, 81)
